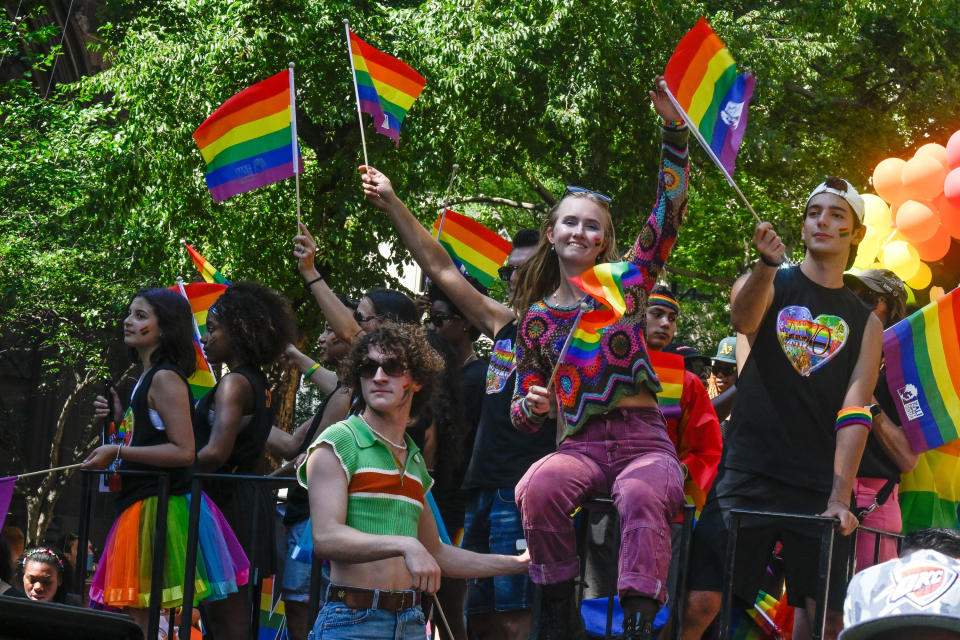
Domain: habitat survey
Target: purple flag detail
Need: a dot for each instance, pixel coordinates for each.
(732, 121)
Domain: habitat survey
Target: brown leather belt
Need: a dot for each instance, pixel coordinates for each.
(358, 598)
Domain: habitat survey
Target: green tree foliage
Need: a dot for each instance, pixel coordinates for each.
(100, 181)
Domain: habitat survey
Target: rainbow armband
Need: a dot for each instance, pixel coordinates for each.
(850, 416)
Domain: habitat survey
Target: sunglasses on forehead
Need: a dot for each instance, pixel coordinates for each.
(392, 366)
(574, 189)
(360, 318)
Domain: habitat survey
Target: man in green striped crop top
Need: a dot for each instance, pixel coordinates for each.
(367, 482)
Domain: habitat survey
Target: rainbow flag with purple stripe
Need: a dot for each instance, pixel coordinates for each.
(922, 354)
(386, 86)
(703, 77)
(250, 141)
(606, 284)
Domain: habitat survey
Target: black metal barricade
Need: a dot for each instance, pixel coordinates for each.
(253, 599)
(159, 541)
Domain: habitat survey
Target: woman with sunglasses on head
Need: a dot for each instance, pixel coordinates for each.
(370, 516)
(156, 435)
(614, 439)
(248, 328)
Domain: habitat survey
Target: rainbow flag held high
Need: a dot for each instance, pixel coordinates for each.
(605, 283)
(209, 272)
(703, 77)
(930, 494)
(386, 86)
(250, 141)
(474, 248)
(922, 355)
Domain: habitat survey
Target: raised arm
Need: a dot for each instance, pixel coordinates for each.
(752, 294)
(481, 311)
(325, 379)
(851, 440)
(337, 314)
(659, 234)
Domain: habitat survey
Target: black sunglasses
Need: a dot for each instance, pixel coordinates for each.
(573, 189)
(393, 367)
(360, 318)
(437, 319)
(724, 369)
(506, 271)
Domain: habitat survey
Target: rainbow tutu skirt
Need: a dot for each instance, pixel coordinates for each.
(123, 576)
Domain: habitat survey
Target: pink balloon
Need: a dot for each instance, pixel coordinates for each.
(953, 151)
(951, 187)
(888, 181)
(935, 248)
(916, 221)
(923, 178)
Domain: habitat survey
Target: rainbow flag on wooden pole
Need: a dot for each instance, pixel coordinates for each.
(251, 140)
(203, 294)
(701, 81)
(474, 248)
(384, 86)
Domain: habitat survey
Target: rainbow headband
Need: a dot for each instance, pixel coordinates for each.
(663, 301)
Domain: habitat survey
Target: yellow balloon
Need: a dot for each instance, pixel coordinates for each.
(921, 280)
(868, 247)
(936, 293)
(876, 213)
(901, 258)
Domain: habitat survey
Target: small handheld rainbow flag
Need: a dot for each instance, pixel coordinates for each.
(605, 283)
(474, 248)
(386, 86)
(209, 272)
(201, 296)
(922, 354)
(702, 75)
(250, 141)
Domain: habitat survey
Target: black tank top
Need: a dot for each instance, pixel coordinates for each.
(136, 488)
(794, 383)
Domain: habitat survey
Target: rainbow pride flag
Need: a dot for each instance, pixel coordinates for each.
(669, 369)
(605, 283)
(386, 86)
(209, 272)
(703, 77)
(922, 354)
(930, 494)
(273, 616)
(250, 141)
(474, 248)
(201, 295)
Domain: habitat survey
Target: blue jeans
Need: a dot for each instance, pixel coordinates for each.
(492, 525)
(336, 620)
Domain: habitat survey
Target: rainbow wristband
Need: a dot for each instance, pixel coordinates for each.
(311, 370)
(854, 415)
(672, 124)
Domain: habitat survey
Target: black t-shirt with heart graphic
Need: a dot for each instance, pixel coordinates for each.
(794, 382)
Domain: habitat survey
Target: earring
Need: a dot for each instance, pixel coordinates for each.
(552, 248)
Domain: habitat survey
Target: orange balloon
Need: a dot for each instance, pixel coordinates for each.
(949, 216)
(933, 150)
(916, 221)
(888, 180)
(936, 293)
(935, 248)
(923, 178)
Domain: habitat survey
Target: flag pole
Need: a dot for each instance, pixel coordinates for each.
(356, 91)
(443, 216)
(706, 147)
(43, 471)
(293, 140)
(196, 328)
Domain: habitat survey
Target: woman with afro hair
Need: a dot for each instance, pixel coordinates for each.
(248, 328)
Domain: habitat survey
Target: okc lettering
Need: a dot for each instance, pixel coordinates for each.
(918, 584)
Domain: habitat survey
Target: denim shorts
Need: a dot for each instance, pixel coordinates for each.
(336, 620)
(492, 525)
(296, 574)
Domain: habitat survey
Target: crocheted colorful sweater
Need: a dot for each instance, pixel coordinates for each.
(622, 367)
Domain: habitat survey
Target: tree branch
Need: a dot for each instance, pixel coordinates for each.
(495, 200)
(687, 273)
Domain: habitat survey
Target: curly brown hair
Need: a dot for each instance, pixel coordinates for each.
(258, 320)
(407, 341)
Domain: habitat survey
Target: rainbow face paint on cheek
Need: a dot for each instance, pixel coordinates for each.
(844, 232)
(597, 242)
(406, 390)
(144, 331)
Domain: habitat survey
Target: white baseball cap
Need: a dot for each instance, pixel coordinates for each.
(842, 188)
(920, 590)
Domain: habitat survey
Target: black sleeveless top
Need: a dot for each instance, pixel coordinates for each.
(136, 488)
(251, 439)
(794, 382)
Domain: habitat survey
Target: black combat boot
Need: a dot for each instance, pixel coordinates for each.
(638, 626)
(557, 617)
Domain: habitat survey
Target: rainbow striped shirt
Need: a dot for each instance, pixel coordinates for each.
(382, 499)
